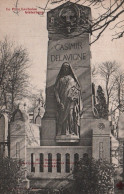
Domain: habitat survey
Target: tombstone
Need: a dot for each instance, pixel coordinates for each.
(121, 126)
(22, 134)
(18, 134)
(38, 120)
(69, 37)
(38, 111)
(121, 142)
(101, 139)
(4, 135)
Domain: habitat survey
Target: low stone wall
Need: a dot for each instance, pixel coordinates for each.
(63, 151)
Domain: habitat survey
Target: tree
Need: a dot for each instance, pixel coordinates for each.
(111, 11)
(11, 175)
(93, 176)
(107, 71)
(101, 105)
(109, 14)
(13, 76)
(119, 86)
(112, 77)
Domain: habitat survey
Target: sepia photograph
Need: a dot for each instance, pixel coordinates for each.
(62, 96)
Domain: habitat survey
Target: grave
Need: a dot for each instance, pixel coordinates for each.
(4, 135)
(69, 127)
(68, 31)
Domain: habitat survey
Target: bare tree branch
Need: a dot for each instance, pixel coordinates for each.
(13, 76)
(108, 12)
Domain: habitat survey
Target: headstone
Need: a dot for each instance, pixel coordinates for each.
(38, 111)
(38, 120)
(4, 134)
(69, 36)
(121, 126)
(101, 139)
(22, 134)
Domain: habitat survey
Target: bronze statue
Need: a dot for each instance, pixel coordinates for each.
(68, 97)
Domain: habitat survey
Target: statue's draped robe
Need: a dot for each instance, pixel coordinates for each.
(67, 92)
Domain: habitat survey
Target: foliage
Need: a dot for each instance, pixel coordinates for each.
(112, 81)
(11, 175)
(93, 176)
(107, 71)
(101, 105)
(13, 76)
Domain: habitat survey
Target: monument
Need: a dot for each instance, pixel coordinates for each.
(69, 129)
(68, 30)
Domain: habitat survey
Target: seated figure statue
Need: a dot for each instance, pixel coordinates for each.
(68, 97)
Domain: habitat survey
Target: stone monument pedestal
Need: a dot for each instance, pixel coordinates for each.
(67, 138)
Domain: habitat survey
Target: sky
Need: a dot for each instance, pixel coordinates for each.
(29, 30)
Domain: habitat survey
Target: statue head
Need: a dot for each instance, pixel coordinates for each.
(65, 69)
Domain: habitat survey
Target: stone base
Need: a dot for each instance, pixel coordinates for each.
(48, 132)
(67, 138)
